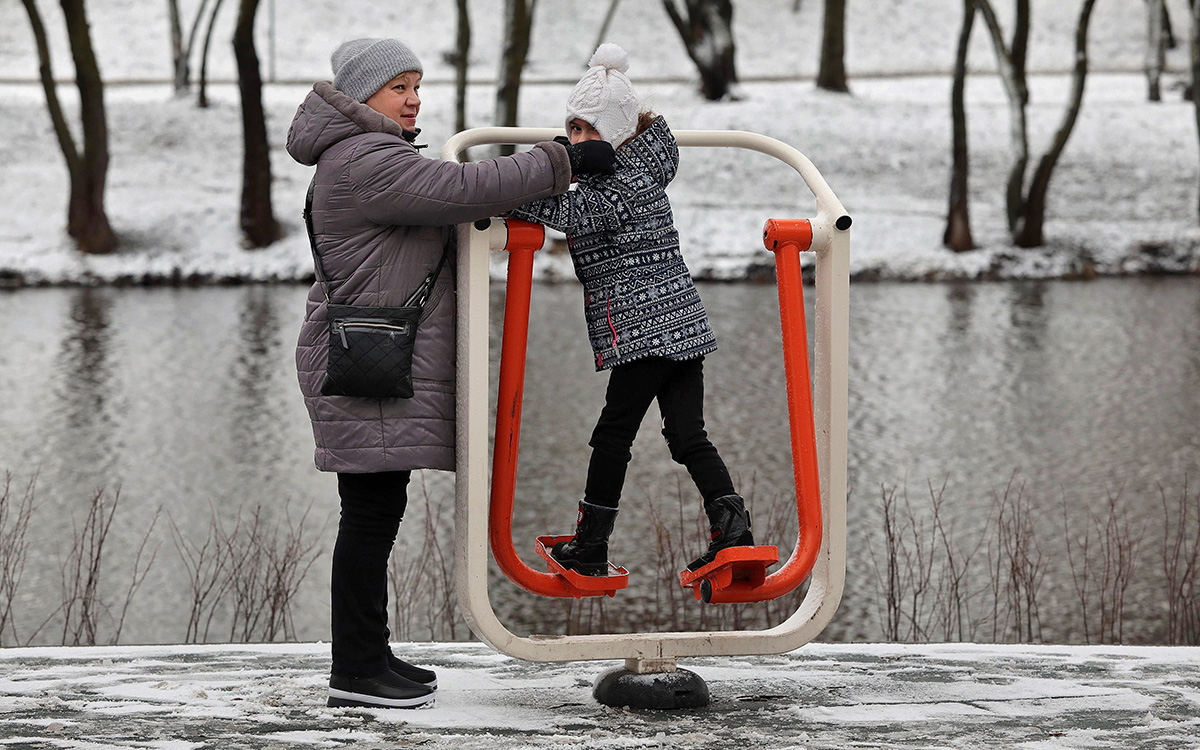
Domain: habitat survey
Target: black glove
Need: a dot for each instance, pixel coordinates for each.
(592, 157)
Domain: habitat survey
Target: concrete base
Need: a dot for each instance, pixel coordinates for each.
(678, 688)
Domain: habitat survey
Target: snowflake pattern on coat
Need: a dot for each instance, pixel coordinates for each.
(639, 297)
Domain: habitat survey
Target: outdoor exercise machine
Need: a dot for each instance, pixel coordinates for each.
(817, 425)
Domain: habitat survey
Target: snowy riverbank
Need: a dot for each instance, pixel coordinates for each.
(819, 696)
(1122, 201)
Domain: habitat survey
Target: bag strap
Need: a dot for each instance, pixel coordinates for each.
(419, 296)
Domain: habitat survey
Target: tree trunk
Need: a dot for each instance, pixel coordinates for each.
(707, 33)
(1031, 232)
(62, 131)
(181, 49)
(1156, 48)
(202, 100)
(831, 75)
(259, 227)
(87, 222)
(958, 219)
(607, 23)
(1011, 63)
(462, 61)
(1194, 56)
(518, 27)
(178, 55)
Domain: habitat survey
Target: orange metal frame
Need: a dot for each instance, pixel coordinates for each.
(787, 239)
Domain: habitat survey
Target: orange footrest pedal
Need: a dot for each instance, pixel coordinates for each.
(581, 585)
(744, 566)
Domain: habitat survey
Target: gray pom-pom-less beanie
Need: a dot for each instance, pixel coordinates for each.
(362, 66)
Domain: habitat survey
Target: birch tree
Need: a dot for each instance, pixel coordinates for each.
(958, 219)
(259, 227)
(1026, 206)
(706, 27)
(87, 221)
(831, 74)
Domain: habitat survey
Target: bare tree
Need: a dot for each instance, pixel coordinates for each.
(606, 24)
(461, 60)
(1102, 571)
(259, 227)
(202, 99)
(1157, 37)
(207, 571)
(15, 514)
(1018, 568)
(87, 222)
(831, 75)
(83, 605)
(181, 51)
(1194, 57)
(1026, 207)
(518, 27)
(706, 27)
(1181, 566)
(958, 219)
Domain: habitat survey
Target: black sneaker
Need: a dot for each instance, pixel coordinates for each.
(387, 690)
(408, 671)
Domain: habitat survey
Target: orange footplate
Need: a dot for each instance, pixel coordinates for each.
(581, 585)
(745, 567)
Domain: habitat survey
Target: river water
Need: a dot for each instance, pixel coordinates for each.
(1068, 401)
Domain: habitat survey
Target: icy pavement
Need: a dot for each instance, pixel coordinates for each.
(820, 696)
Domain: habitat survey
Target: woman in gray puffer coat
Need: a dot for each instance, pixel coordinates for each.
(382, 216)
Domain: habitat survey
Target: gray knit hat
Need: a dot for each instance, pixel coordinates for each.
(362, 66)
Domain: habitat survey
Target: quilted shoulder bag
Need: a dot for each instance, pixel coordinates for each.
(370, 348)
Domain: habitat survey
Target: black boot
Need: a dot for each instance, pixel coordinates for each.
(587, 551)
(729, 522)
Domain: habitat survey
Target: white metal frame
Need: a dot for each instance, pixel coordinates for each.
(831, 354)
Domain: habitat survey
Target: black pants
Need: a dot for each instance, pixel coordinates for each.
(372, 508)
(679, 388)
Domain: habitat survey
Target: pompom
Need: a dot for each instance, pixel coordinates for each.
(610, 56)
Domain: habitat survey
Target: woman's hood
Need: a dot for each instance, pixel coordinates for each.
(326, 117)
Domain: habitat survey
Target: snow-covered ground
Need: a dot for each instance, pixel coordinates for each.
(1124, 198)
(819, 696)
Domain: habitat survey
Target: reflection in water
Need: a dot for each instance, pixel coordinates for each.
(259, 339)
(959, 296)
(86, 387)
(84, 355)
(1027, 314)
(187, 399)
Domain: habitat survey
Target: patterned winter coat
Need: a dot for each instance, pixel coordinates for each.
(382, 214)
(639, 298)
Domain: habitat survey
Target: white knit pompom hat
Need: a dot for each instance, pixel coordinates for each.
(604, 97)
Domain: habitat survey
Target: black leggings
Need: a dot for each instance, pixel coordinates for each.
(679, 388)
(372, 508)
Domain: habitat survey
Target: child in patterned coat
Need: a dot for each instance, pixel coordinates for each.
(645, 319)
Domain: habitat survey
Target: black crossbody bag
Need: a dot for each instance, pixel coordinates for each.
(370, 348)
